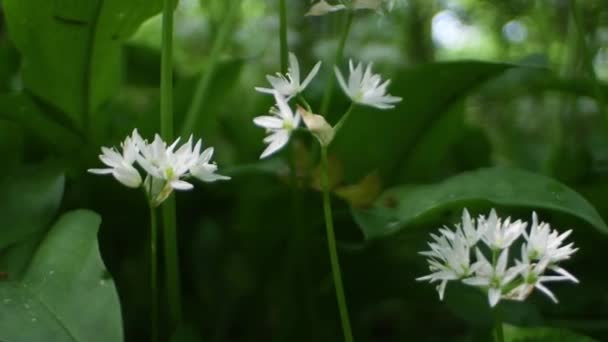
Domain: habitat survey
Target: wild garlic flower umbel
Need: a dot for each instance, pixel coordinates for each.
(366, 88)
(166, 168)
(481, 253)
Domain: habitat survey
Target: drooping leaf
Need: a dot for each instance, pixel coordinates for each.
(401, 206)
(29, 200)
(372, 139)
(520, 334)
(71, 50)
(64, 294)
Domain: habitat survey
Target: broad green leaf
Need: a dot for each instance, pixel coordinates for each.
(520, 334)
(71, 50)
(64, 294)
(40, 123)
(372, 139)
(401, 206)
(29, 200)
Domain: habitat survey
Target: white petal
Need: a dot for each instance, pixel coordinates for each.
(294, 69)
(277, 141)
(477, 281)
(311, 75)
(208, 176)
(441, 289)
(101, 171)
(128, 177)
(564, 273)
(546, 291)
(265, 90)
(501, 264)
(181, 185)
(284, 110)
(269, 122)
(342, 82)
(493, 296)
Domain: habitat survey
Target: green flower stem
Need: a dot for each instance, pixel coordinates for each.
(588, 57)
(333, 251)
(329, 88)
(166, 73)
(498, 332)
(283, 36)
(204, 83)
(172, 261)
(153, 274)
(304, 102)
(166, 129)
(344, 118)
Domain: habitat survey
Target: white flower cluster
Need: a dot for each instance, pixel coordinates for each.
(165, 167)
(477, 253)
(364, 88)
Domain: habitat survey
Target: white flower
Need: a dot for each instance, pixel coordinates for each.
(471, 232)
(121, 165)
(279, 126)
(205, 170)
(163, 163)
(323, 7)
(366, 88)
(289, 84)
(499, 234)
(534, 276)
(546, 243)
(166, 168)
(449, 259)
(494, 277)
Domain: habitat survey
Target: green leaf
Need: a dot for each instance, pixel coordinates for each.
(71, 50)
(41, 123)
(30, 198)
(401, 206)
(519, 334)
(373, 139)
(64, 294)
(11, 145)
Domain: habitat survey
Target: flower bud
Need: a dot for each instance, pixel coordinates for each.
(317, 125)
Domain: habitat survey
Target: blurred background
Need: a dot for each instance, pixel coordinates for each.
(513, 83)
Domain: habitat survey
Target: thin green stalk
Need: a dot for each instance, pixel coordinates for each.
(499, 335)
(172, 260)
(333, 251)
(344, 118)
(329, 88)
(204, 83)
(304, 102)
(166, 73)
(166, 129)
(153, 274)
(283, 35)
(588, 57)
